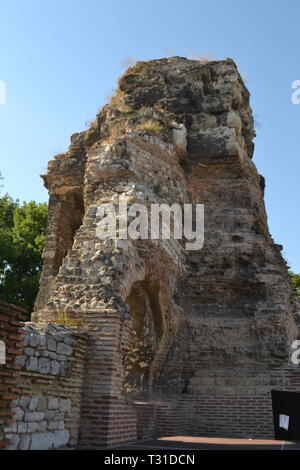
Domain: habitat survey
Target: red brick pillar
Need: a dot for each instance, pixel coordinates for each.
(106, 416)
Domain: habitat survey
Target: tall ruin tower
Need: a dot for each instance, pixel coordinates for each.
(206, 330)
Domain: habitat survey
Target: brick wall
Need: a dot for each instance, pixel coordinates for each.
(170, 419)
(145, 420)
(223, 404)
(11, 318)
(157, 419)
(223, 416)
(236, 403)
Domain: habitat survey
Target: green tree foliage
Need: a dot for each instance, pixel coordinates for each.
(22, 236)
(295, 282)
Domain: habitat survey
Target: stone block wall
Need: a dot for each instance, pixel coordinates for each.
(47, 408)
(11, 318)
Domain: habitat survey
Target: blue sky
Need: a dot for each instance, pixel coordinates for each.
(60, 59)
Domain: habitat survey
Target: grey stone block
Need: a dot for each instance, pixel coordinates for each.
(61, 357)
(42, 441)
(49, 415)
(52, 355)
(34, 340)
(29, 351)
(22, 428)
(32, 426)
(14, 441)
(25, 339)
(52, 403)
(44, 365)
(64, 369)
(33, 403)
(51, 344)
(13, 428)
(21, 360)
(24, 402)
(69, 340)
(34, 416)
(18, 414)
(54, 367)
(42, 404)
(41, 426)
(53, 425)
(24, 442)
(32, 363)
(61, 438)
(64, 349)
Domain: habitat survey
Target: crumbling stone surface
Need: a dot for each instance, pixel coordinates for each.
(176, 131)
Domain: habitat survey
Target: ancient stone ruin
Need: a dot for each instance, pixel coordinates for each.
(153, 338)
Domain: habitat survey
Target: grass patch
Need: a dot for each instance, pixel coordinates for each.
(63, 319)
(151, 126)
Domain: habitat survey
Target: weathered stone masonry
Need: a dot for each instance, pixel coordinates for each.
(178, 342)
